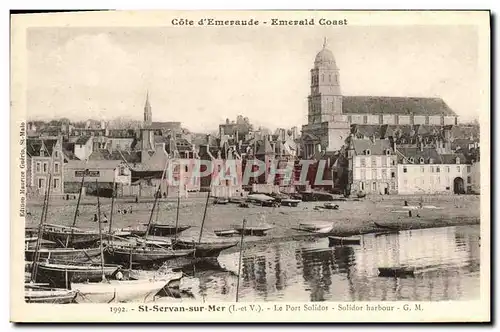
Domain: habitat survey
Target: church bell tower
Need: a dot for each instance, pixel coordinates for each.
(148, 114)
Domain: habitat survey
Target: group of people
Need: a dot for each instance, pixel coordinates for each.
(104, 218)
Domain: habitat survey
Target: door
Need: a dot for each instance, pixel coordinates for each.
(458, 185)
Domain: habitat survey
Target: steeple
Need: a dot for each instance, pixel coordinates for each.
(148, 115)
(325, 42)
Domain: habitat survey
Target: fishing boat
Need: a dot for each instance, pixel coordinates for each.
(42, 294)
(30, 243)
(55, 273)
(166, 229)
(222, 201)
(398, 271)
(64, 255)
(392, 227)
(226, 232)
(256, 230)
(204, 248)
(290, 202)
(261, 199)
(389, 232)
(118, 291)
(336, 240)
(319, 227)
(78, 238)
(142, 256)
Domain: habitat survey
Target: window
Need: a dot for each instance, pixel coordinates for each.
(393, 175)
(56, 167)
(393, 162)
(374, 161)
(405, 170)
(448, 169)
(458, 168)
(363, 174)
(438, 169)
(447, 188)
(374, 186)
(457, 161)
(422, 169)
(329, 77)
(367, 152)
(363, 162)
(468, 179)
(412, 160)
(40, 183)
(468, 169)
(56, 183)
(38, 167)
(384, 162)
(45, 166)
(56, 154)
(349, 118)
(432, 169)
(384, 174)
(185, 168)
(122, 170)
(421, 160)
(393, 186)
(362, 185)
(365, 119)
(374, 173)
(431, 161)
(388, 152)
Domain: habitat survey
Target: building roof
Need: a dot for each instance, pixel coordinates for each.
(427, 153)
(102, 164)
(104, 154)
(82, 140)
(325, 58)
(34, 145)
(376, 147)
(169, 125)
(367, 130)
(395, 105)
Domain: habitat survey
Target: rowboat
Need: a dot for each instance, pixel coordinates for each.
(63, 255)
(226, 232)
(335, 240)
(320, 227)
(118, 291)
(204, 249)
(386, 233)
(142, 256)
(222, 201)
(398, 271)
(290, 202)
(257, 230)
(61, 274)
(166, 229)
(386, 226)
(43, 294)
(78, 238)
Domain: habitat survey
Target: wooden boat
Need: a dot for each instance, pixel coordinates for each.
(161, 274)
(335, 240)
(290, 202)
(166, 229)
(55, 274)
(258, 230)
(222, 201)
(42, 294)
(398, 271)
(30, 243)
(204, 249)
(226, 232)
(64, 255)
(118, 291)
(392, 227)
(142, 255)
(316, 227)
(386, 233)
(78, 238)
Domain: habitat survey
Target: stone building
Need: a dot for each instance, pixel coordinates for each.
(44, 157)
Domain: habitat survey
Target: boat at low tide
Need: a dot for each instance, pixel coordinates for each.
(118, 291)
(290, 202)
(64, 255)
(78, 238)
(397, 271)
(34, 293)
(142, 256)
(340, 241)
(391, 227)
(226, 232)
(204, 248)
(319, 227)
(252, 230)
(61, 274)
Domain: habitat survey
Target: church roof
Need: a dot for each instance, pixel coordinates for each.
(325, 58)
(395, 105)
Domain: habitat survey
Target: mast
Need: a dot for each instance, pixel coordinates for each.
(155, 201)
(100, 231)
(70, 237)
(177, 217)
(112, 205)
(204, 216)
(36, 255)
(239, 264)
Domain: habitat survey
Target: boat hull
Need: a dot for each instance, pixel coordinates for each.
(396, 272)
(64, 255)
(336, 241)
(166, 230)
(78, 239)
(56, 274)
(395, 228)
(58, 296)
(118, 291)
(204, 249)
(141, 256)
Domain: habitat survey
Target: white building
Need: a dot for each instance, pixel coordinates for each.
(424, 171)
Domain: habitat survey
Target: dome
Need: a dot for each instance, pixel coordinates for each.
(325, 58)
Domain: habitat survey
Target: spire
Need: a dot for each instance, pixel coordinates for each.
(325, 42)
(147, 99)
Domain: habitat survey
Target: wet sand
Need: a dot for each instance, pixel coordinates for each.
(352, 217)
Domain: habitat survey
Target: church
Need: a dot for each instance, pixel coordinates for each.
(330, 114)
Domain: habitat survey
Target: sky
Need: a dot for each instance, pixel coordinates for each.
(201, 76)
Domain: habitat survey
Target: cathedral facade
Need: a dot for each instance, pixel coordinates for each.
(330, 114)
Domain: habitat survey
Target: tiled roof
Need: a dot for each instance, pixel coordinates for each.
(33, 146)
(82, 140)
(395, 105)
(367, 130)
(103, 154)
(376, 147)
(428, 153)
